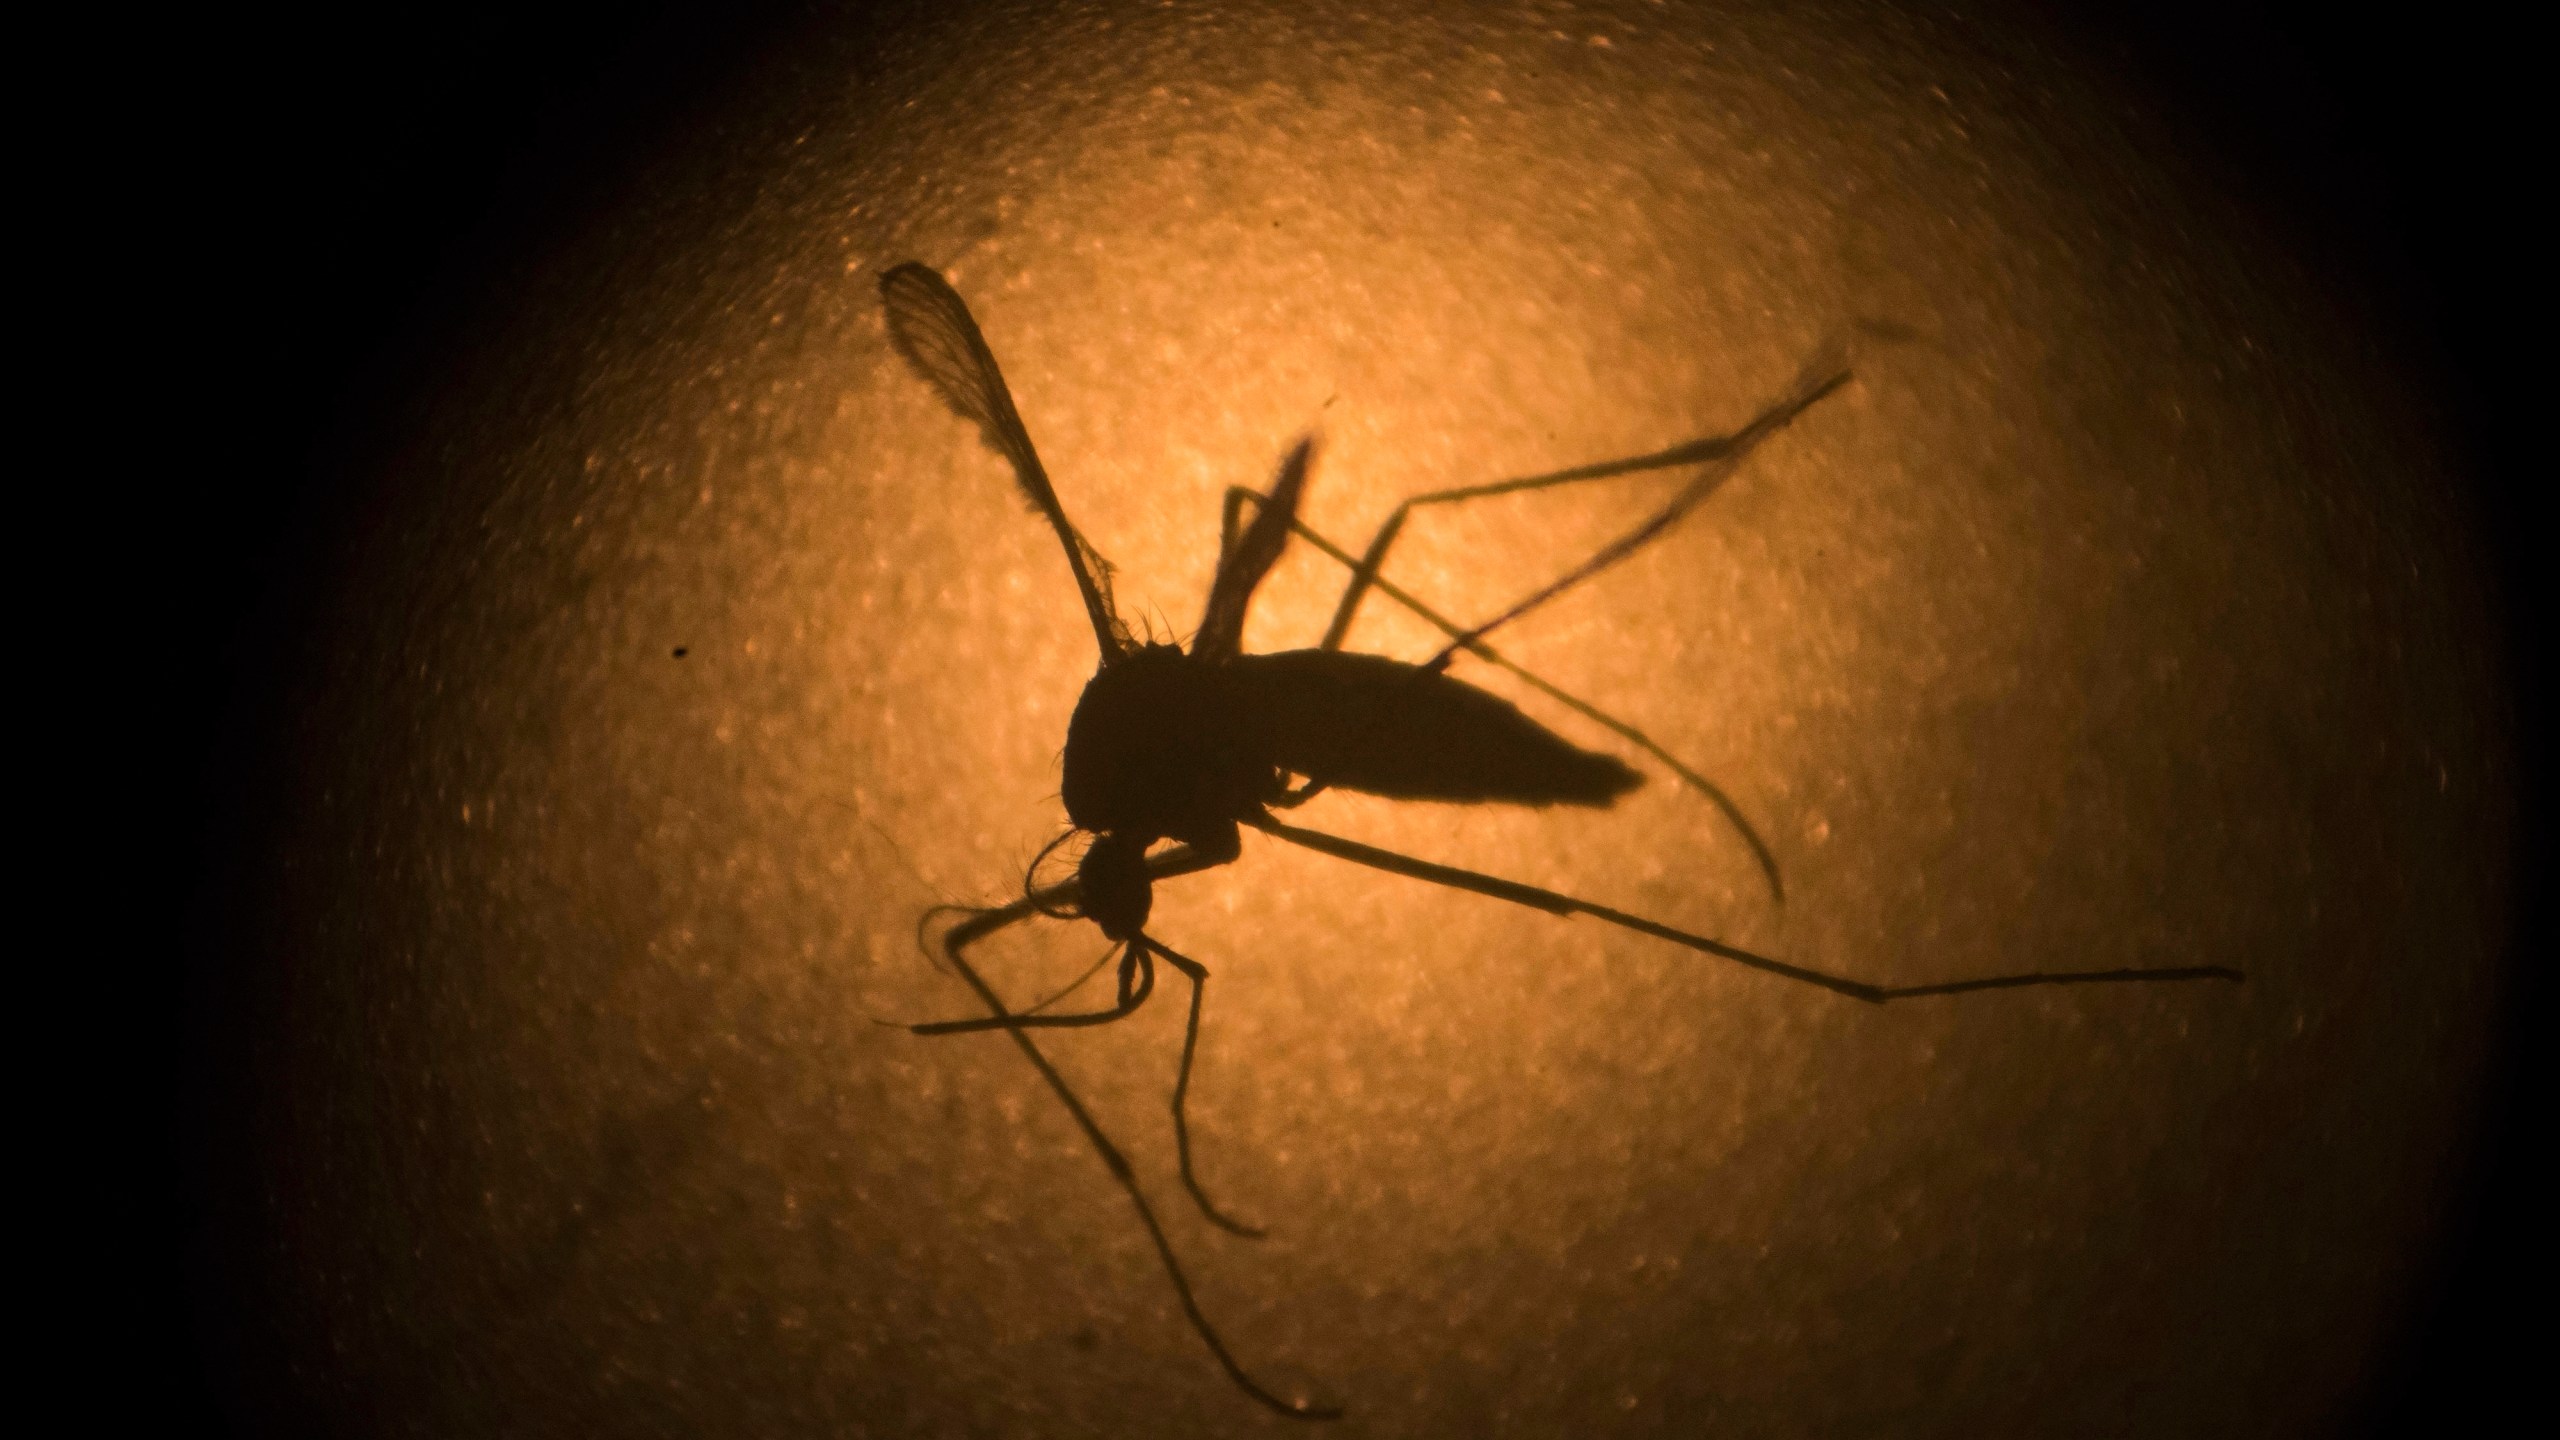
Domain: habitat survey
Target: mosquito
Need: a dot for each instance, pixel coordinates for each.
(1192, 746)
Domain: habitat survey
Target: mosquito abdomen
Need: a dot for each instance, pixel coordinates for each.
(1383, 727)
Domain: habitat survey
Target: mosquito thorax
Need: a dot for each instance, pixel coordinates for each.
(1155, 749)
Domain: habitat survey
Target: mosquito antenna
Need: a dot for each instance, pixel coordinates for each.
(931, 326)
(1031, 887)
(1720, 467)
(925, 922)
(1241, 568)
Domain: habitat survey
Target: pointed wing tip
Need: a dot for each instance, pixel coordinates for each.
(908, 272)
(910, 287)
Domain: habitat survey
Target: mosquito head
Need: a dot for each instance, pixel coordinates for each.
(1117, 892)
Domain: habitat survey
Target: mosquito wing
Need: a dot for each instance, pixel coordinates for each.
(932, 328)
(1221, 634)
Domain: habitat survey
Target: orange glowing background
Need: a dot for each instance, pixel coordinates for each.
(2114, 616)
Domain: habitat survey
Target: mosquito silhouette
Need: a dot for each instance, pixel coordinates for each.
(1190, 746)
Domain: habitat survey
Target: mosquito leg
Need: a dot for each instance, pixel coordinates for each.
(1198, 974)
(1724, 456)
(1228, 517)
(1057, 902)
(1061, 901)
(1555, 903)
(1716, 796)
(1719, 455)
(1131, 997)
(1178, 861)
(1721, 452)
(1364, 570)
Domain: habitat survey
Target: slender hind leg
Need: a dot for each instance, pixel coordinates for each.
(1721, 454)
(1556, 903)
(1135, 960)
(1137, 982)
(984, 923)
(1715, 793)
(1198, 974)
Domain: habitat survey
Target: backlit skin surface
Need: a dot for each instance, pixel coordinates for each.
(2112, 617)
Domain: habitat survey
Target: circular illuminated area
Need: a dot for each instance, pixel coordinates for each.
(2112, 615)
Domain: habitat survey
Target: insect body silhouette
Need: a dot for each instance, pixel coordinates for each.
(1190, 746)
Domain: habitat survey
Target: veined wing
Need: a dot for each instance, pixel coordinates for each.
(932, 328)
(1221, 634)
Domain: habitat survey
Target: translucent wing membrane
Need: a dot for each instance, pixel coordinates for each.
(1242, 567)
(932, 328)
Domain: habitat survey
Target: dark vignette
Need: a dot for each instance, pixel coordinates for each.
(368, 197)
